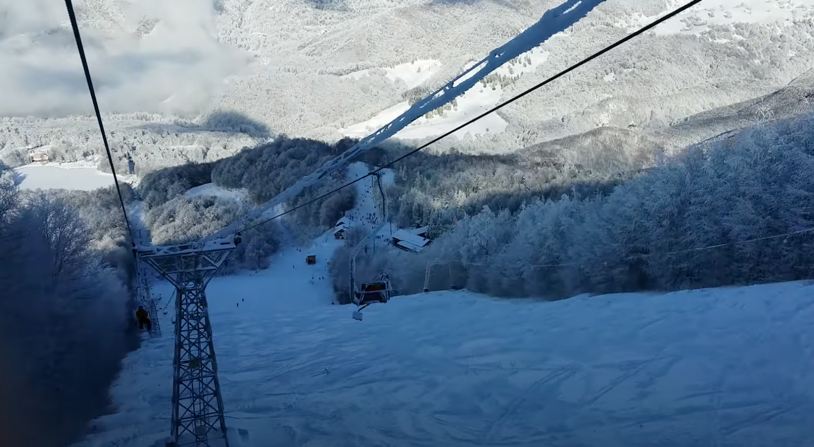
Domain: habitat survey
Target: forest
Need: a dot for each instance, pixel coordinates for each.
(64, 289)
(736, 210)
(261, 173)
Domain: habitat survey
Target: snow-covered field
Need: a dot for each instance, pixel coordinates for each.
(53, 176)
(723, 367)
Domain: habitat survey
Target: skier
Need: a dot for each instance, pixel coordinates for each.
(143, 319)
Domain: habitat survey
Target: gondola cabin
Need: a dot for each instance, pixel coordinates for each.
(311, 259)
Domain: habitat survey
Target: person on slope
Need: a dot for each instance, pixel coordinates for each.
(143, 319)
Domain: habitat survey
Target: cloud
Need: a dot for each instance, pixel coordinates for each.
(144, 55)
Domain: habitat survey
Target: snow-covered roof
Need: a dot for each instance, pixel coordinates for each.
(408, 246)
(422, 230)
(341, 223)
(409, 240)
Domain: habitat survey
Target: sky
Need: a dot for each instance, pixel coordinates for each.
(144, 55)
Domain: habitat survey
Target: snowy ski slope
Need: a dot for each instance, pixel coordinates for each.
(726, 367)
(723, 367)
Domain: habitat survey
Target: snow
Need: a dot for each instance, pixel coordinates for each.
(536, 58)
(385, 116)
(212, 190)
(72, 176)
(728, 366)
(411, 240)
(470, 70)
(725, 12)
(707, 367)
(412, 73)
(553, 21)
(470, 104)
(141, 234)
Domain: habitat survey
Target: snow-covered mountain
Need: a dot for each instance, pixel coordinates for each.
(328, 69)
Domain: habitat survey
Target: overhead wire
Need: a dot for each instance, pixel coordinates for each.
(81, 48)
(488, 112)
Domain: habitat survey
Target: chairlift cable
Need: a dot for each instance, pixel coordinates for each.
(81, 48)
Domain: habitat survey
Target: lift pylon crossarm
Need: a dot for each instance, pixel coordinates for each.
(223, 243)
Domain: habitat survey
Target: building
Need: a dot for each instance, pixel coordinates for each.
(419, 231)
(409, 241)
(341, 228)
(39, 157)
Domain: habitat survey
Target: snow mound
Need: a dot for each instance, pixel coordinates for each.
(55, 176)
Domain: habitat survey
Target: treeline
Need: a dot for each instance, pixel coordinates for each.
(267, 170)
(186, 219)
(686, 223)
(159, 187)
(439, 189)
(262, 172)
(64, 316)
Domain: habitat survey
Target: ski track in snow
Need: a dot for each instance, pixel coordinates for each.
(720, 367)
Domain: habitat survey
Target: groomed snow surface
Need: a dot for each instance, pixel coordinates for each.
(724, 367)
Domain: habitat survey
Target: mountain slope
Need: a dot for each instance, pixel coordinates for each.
(283, 65)
(718, 366)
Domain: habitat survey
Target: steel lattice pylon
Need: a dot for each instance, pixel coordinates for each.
(197, 414)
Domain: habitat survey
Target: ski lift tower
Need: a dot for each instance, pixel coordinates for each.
(197, 412)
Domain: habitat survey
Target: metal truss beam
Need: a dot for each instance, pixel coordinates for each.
(197, 415)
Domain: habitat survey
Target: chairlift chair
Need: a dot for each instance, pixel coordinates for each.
(377, 291)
